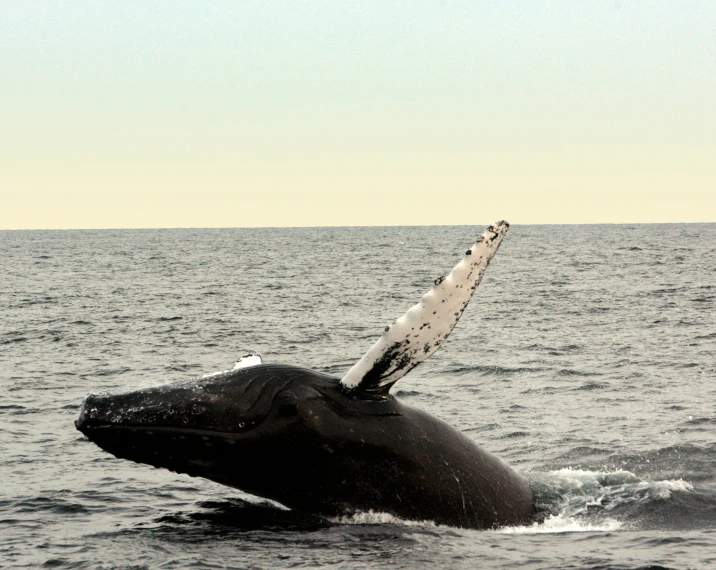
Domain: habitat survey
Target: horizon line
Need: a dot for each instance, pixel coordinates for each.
(343, 226)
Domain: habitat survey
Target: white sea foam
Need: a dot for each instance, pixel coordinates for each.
(247, 361)
(664, 488)
(374, 517)
(584, 497)
(562, 523)
(576, 483)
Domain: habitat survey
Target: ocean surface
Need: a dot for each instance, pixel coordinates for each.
(586, 360)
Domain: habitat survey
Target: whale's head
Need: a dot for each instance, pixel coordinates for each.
(242, 428)
(232, 402)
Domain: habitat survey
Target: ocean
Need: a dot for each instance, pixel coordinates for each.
(586, 360)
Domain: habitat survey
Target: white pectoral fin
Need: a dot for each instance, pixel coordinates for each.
(421, 331)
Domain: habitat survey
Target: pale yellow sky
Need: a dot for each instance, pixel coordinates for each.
(263, 114)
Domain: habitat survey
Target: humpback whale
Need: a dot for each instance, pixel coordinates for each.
(327, 445)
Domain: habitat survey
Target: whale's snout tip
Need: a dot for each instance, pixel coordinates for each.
(81, 423)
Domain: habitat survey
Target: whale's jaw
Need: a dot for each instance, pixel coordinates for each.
(208, 428)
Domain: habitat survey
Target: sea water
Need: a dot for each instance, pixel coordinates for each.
(587, 360)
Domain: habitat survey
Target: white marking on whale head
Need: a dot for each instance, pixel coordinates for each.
(247, 361)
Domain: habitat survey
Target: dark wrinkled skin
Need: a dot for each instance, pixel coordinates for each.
(294, 436)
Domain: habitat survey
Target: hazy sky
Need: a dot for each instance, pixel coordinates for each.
(241, 113)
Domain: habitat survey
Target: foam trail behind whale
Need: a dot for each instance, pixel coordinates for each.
(422, 330)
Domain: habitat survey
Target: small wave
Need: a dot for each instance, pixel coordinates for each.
(11, 340)
(46, 300)
(570, 372)
(248, 513)
(590, 385)
(515, 434)
(543, 390)
(53, 503)
(664, 291)
(672, 462)
(407, 393)
(691, 421)
(555, 349)
(706, 336)
(374, 517)
(561, 523)
(112, 372)
(577, 500)
(486, 427)
(586, 482)
(493, 370)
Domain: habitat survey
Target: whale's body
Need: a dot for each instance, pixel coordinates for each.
(322, 444)
(294, 436)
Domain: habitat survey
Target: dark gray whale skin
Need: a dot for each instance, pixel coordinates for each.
(296, 436)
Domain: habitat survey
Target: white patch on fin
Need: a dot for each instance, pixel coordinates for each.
(421, 331)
